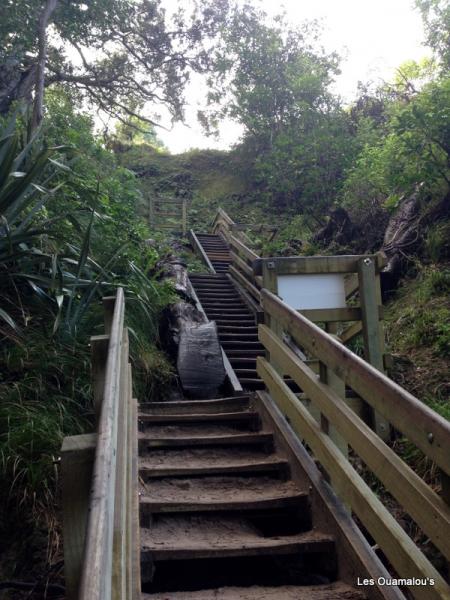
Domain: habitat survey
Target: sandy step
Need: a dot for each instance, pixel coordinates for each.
(216, 493)
(231, 404)
(333, 591)
(179, 537)
(149, 441)
(210, 461)
(249, 417)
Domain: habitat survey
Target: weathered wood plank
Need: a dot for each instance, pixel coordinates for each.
(96, 575)
(241, 264)
(290, 265)
(424, 427)
(372, 333)
(77, 460)
(330, 315)
(244, 282)
(99, 356)
(428, 510)
(401, 551)
(350, 332)
(242, 249)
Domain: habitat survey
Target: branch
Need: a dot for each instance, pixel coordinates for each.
(42, 59)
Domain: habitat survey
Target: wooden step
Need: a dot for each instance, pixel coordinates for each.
(238, 329)
(252, 383)
(241, 337)
(231, 321)
(249, 417)
(210, 289)
(332, 591)
(178, 537)
(237, 352)
(149, 441)
(237, 344)
(242, 360)
(231, 404)
(214, 493)
(245, 372)
(227, 307)
(228, 294)
(210, 461)
(214, 315)
(208, 276)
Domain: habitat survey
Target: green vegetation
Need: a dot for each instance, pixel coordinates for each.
(72, 197)
(69, 234)
(418, 324)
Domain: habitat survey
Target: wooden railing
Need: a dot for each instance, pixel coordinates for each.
(242, 256)
(326, 372)
(167, 213)
(99, 477)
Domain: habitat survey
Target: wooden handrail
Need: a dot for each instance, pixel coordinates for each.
(198, 249)
(242, 257)
(429, 510)
(403, 554)
(97, 569)
(423, 426)
(107, 563)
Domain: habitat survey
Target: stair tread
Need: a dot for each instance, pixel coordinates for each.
(186, 417)
(201, 459)
(212, 492)
(195, 536)
(190, 430)
(218, 405)
(199, 439)
(333, 591)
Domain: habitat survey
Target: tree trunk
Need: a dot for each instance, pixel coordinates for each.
(193, 339)
(44, 19)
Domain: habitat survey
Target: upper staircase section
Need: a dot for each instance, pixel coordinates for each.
(216, 250)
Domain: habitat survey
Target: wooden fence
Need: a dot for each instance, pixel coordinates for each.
(167, 213)
(99, 477)
(326, 372)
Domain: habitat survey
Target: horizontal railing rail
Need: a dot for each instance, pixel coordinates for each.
(422, 426)
(242, 257)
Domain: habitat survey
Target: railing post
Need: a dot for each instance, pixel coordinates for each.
(370, 296)
(337, 385)
(109, 303)
(270, 282)
(77, 459)
(99, 356)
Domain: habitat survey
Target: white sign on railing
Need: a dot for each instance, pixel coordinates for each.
(303, 292)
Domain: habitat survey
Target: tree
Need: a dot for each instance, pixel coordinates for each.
(436, 18)
(274, 80)
(117, 54)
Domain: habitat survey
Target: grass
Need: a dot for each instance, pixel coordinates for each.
(418, 331)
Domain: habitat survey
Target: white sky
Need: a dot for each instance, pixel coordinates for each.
(374, 36)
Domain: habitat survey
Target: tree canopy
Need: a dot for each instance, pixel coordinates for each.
(117, 54)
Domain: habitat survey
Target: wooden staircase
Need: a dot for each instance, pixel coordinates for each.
(238, 331)
(220, 514)
(217, 251)
(231, 503)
